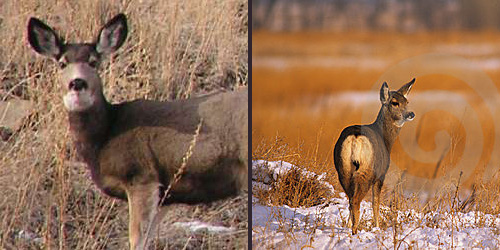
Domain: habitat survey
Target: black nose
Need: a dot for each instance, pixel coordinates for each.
(77, 84)
(410, 116)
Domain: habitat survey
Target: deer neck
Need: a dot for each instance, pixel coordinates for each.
(89, 130)
(386, 127)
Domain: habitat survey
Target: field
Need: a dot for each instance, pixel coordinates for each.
(319, 220)
(308, 86)
(175, 49)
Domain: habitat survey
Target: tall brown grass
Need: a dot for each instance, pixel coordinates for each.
(175, 49)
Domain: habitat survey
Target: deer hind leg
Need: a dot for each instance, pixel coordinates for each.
(354, 216)
(361, 187)
(376, 190)
(142, 201)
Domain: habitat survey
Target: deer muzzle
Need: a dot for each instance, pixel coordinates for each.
(409, 116)
(77, 84)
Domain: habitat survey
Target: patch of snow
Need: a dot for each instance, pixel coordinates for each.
(324, 226)
(280, 62)
(471, 49)
(358, 99)
(200, 227)
(29, 236)
(267, 172)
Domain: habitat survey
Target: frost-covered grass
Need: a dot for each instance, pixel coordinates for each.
(324, 226)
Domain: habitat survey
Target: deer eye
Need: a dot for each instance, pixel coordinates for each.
(395, 104)
(62, 64)
(93, 63)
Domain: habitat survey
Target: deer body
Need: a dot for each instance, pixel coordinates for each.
(362, 152)
(157, 135)
(134, 149)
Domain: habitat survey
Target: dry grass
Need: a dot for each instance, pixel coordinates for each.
(399, 207)
(296, 101)
(175, 49)
(293, 119)
(294, 189)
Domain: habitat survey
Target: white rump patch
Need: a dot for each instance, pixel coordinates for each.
(356, 149)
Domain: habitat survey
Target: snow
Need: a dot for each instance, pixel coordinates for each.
(267, 174)
(362, 57)
(366, 63)
(199, 227)
(281, 63)
(361, 99)
(324, 226)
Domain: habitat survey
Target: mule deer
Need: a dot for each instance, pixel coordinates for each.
(134, 149)
(362, 152)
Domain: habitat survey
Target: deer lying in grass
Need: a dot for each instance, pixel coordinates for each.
(362, 152)
(134, 149)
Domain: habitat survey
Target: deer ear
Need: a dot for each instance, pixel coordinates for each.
(384, 93)
(112, 35)
(405, 89)
(43, 39)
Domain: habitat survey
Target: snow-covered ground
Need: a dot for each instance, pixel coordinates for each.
(198, 227)
(323, 226)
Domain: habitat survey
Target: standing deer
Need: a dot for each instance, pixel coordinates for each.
(362, 152)
(134, 149)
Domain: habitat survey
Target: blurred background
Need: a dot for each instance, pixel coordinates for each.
(380, 15)
(318, 65)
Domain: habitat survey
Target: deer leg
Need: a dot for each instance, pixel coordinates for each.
(376, 189)
(353, 216)
(349, 223)
(360, 191)
(142, 201)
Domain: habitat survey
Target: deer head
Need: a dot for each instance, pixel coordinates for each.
(78, 61)
(394, 103)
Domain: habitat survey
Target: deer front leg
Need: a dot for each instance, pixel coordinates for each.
(142, 202)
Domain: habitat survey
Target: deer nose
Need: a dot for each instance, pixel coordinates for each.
(410, 116)
(77, 84)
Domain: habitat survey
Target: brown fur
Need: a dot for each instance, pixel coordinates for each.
(157, 135)
(362, 152)
(133, 149)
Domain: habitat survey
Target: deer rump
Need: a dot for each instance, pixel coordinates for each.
(361, 157)
(147, 141)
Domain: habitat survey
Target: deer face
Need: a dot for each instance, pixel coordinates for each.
(82, 84)
(78, 61)
(396, 104)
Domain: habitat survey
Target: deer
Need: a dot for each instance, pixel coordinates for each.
(134, 149)
(362, 152)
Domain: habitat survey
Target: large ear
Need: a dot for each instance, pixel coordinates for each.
(405, 89)
(384, 93)
(43, 39)
(112, 35)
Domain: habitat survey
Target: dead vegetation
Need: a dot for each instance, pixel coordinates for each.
(294, 188)
(299, 186)
(175, 49)
(398, 206)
